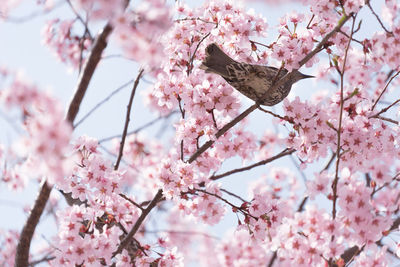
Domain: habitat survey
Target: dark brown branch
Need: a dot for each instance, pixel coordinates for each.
(302, 204)
(24, 243)
(88, 70)
(127, 119)
(273, 258)
(285, 152)
(139, 222)
(22, 254)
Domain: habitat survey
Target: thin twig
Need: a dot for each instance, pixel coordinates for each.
(190, 66)
(377, 17)
(355, 40)
(138, 223)
(131, 201)
(102, 102)
(299, 169)
(302, 204)
(127, 119)
(273, 114)
(336, 180)
(46, 258)
(233, 195)
(383, 91)
(285, 152)
(384, 109)
(245, 213)
(387, 119)
(329, 163)
(191, 19)
(144, 126)
(309, 23)
(84, 22)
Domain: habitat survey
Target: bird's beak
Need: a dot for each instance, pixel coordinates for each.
(307, 76)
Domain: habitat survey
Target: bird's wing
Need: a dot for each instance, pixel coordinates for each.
(239, 72)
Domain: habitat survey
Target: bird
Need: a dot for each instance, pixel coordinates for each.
(253, 81)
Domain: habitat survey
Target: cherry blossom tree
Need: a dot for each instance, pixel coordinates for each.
(145, 199)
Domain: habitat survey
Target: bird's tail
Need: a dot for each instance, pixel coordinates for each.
(216, 60)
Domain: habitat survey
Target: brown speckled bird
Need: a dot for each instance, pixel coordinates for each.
(251, 80)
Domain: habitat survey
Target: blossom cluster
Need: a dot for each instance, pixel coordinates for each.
(139, 32)
(42, 149)
(68, 47)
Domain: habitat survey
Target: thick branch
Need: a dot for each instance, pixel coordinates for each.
(139, 222)
(88, 71)
(22, 253)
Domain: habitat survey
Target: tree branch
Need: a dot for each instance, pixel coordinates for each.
(380, 95)
(88, 70)
(377, 17)
(148, 124)
(102, 102)
(336, 180)
(285, 152)
(127, 119)
(139, 222)
(24, 243)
